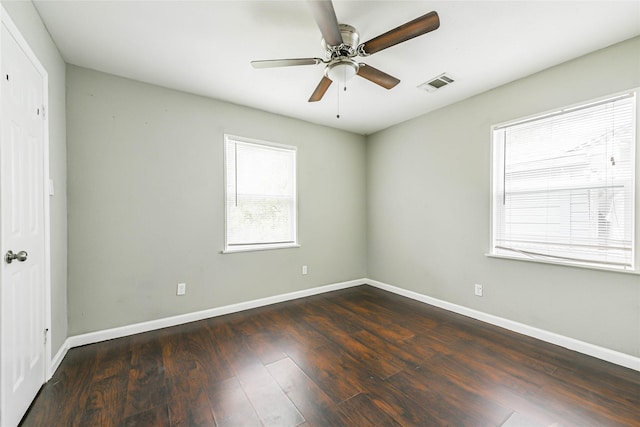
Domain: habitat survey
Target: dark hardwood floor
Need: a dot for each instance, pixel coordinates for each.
(356, 357)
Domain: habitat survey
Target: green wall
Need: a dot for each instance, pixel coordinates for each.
(146, 206)
(429, 193)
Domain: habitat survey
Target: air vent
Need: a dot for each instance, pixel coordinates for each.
(436, 83)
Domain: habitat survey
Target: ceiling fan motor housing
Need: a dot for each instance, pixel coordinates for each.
(350, 41)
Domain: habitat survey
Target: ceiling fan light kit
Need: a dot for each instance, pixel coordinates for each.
(341, 70)
(342, 43)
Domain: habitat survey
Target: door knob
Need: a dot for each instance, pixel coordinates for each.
(20, 256)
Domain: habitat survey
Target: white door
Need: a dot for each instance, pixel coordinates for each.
(22, 321)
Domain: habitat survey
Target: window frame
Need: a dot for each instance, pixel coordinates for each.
(496, 182)
(259, 246)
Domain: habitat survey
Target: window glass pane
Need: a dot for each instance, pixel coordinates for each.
(261, 199)
(564, 185)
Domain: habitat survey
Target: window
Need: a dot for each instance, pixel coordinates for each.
(564, 185)
(260, 195)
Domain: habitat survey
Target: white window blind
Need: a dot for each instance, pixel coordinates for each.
(260, 194)
(564, 185)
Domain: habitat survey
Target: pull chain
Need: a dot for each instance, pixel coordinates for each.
(344, 89)
(338, 107)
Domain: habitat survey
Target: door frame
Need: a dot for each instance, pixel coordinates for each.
(8, 23)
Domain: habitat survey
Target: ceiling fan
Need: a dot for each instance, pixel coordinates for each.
(342, 45)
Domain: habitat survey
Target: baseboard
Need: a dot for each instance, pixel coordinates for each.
(136, 328)
(602, 353)
(57, 359)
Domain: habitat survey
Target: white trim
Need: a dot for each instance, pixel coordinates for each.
(6, 20)
(57, 359)
(228, 249)
(564, 264)
(136, 328)
(603, 353)
(265, 247)
(497, 165)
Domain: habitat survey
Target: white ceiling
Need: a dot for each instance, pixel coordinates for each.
(204, 47)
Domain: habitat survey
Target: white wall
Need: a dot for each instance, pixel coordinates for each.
(28, 22)
(429, 193)
(146, 204)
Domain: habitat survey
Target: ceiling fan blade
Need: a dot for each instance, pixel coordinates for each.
(326, 20)
(320, 89)
(415, 28)
(270, 63)
(376, 76)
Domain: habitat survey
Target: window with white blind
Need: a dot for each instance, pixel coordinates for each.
(564, 185)
(260, 195)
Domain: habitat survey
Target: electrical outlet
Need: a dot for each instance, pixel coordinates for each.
(305, 270)
(478, 290)
(182, 289)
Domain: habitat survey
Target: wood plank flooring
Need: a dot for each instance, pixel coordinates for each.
(356, 357)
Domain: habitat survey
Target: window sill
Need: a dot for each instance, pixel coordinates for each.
(255, 248)
(563, 264)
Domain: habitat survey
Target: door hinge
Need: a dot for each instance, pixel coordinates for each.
(46, 332)
(40, 111)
